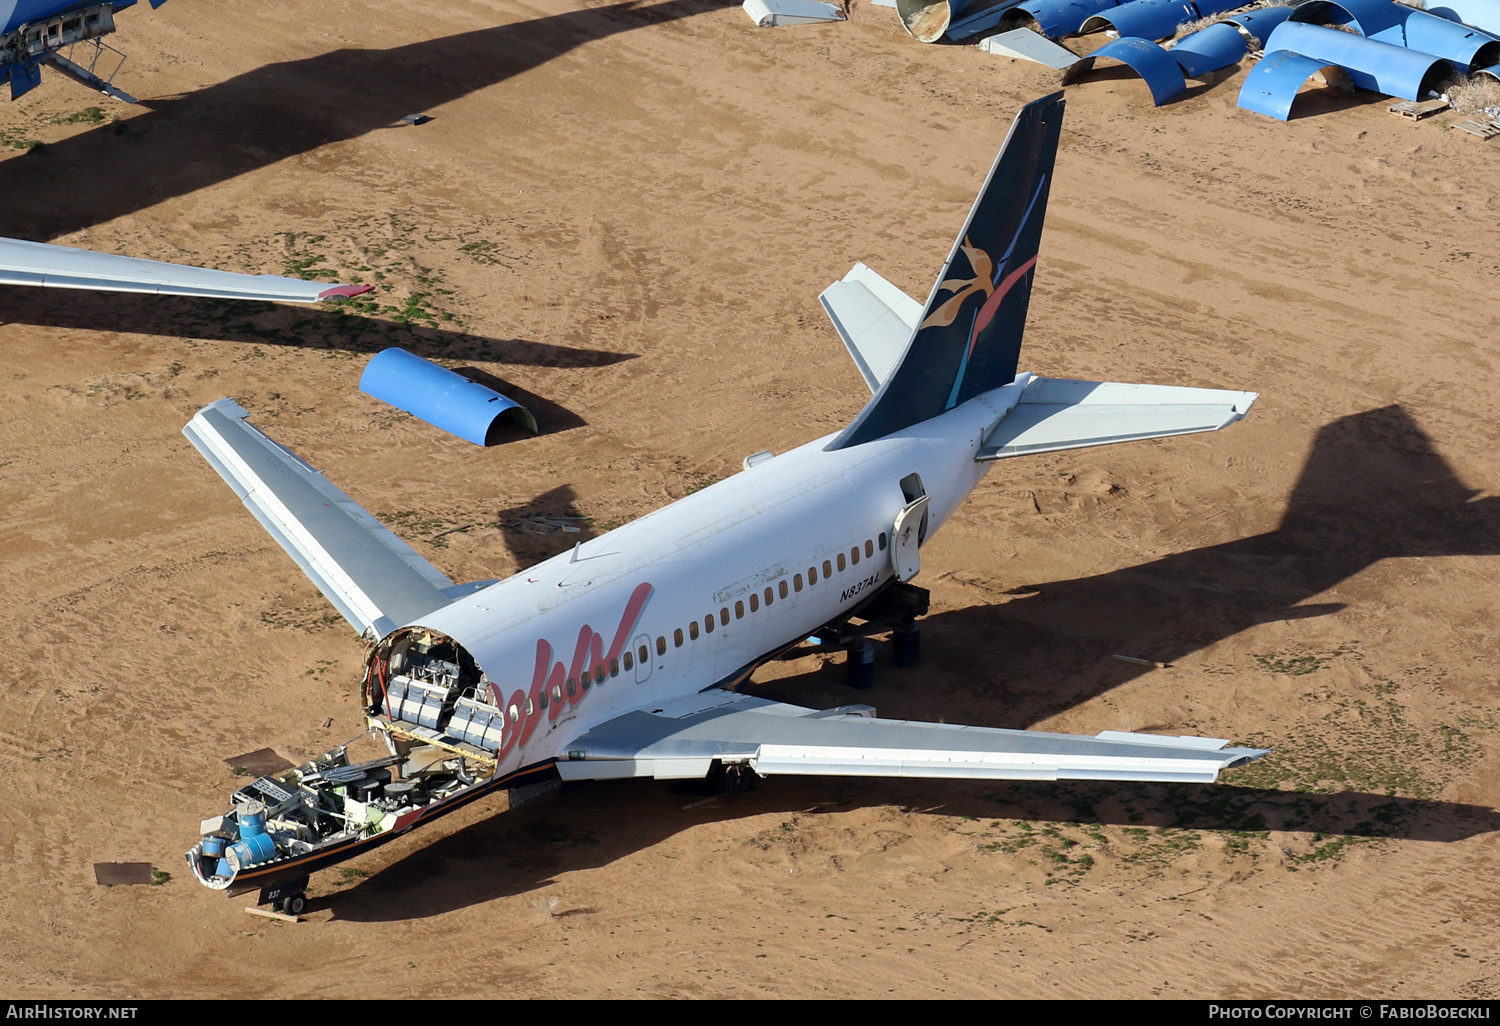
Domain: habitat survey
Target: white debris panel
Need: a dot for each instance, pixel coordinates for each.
(773, 13)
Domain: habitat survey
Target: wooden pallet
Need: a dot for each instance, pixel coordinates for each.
(1416, 110)
(1482, 130)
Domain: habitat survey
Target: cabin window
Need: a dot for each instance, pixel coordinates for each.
(677, 637)
(708, 623)
(842, 563)
(854, 555)
(739, 609)
(812, 575)
(530, 707)
(693, 630)
(724, 616)
(583, 678)
(600, 672)
(629, 662)
(614, 666)
(754, 602)
(515, 714)
(770, 596)
(572, 686)
(557, 692)
(881, 539)
(543, 703)
(869, 547)
(661, 646)
(783, 588)
(827, 569)
(645, 656)
(796, 582)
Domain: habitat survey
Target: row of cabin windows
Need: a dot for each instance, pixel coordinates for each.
(585, 680)
(769, 595)
(601, 671)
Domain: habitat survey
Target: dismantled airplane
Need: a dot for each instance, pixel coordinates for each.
(619, 659)
(34, 32)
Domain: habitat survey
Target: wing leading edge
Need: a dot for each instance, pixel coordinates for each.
(37, 263)
(372, 577)
(683, 740)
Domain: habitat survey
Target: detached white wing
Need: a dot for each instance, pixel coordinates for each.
(1054, 413)
(874, 318)
(372, 577)
(683, 739)
(36, 263)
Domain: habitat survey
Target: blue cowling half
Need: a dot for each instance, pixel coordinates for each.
(1272, 84)
(1466, 47)
(1055, 18)
(1369, 16)
(1210, 49)
(1148, 19)
(1484, 14)
(1155, 65)
(440, 397)
(1400, 25)
(1260, 22)
(1381, 67)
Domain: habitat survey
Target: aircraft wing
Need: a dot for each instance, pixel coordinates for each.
(1055, 413)
(874, 318)
(36, 263)
(372, 577)
(682, 739)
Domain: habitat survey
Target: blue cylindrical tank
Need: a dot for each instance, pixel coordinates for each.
(251, 850)
(213, 847)
(440, 397)
(252, 819)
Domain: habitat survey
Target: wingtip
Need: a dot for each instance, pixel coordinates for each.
(344, 292)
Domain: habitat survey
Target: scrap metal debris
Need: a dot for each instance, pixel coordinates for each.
(261, 762)
(112, 874)
(539, 524)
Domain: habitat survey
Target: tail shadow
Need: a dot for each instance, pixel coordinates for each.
(1373, 488)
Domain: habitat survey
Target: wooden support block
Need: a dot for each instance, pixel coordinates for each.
(279, 917)
(1482, 130)
(1416, 110)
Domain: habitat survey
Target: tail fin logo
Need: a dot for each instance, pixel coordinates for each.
(963, 288)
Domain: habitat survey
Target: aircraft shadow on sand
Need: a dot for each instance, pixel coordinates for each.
(1373, 488)
(271, 324)
(251, 121)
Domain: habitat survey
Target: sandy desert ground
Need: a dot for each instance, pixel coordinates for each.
(624, 212)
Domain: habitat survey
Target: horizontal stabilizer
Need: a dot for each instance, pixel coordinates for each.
(874, 318)
(1054, 414)
(372, 577)
(36, 263)
(684, 739)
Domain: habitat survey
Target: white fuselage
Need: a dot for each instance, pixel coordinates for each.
(742, 553)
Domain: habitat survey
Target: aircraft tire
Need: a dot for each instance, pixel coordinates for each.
(861, 665)
(907, 642)
(296, 904)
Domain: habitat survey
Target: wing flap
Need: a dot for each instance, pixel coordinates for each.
(773, 737)
(36, 263)
(1054, 414)
(874, 318)
(372, 577)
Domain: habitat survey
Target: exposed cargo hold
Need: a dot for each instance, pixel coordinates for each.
(431, 709)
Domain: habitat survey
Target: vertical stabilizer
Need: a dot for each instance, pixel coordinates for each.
(969, 337)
